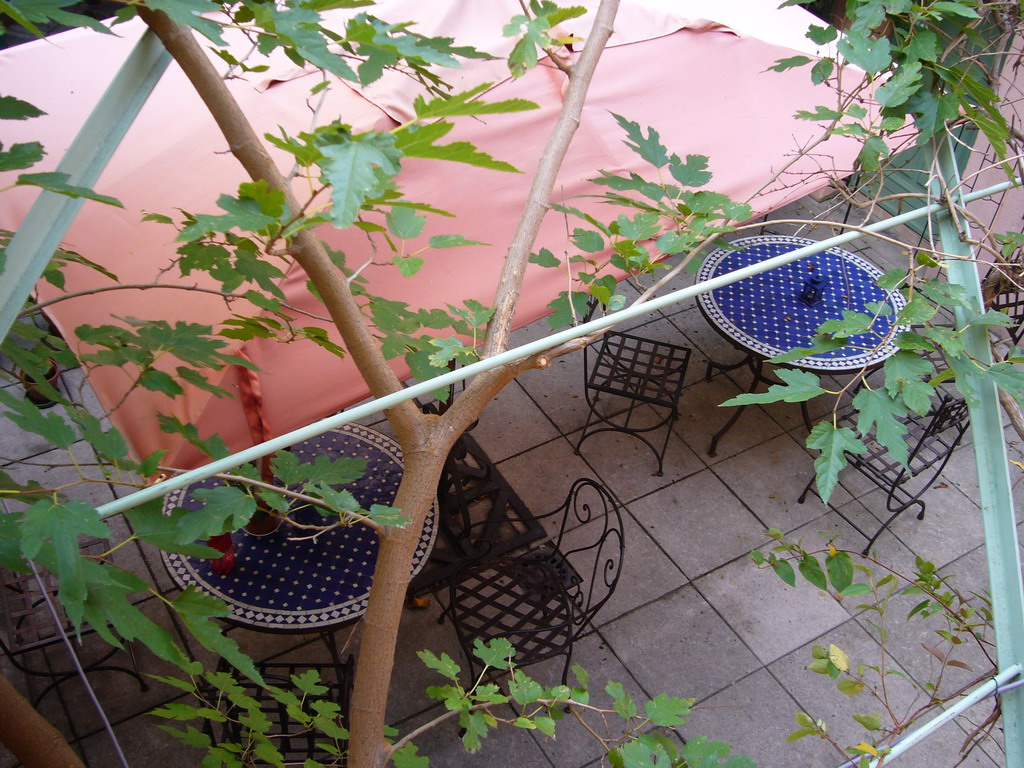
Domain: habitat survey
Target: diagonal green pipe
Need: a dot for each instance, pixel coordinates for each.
(44, 227)
(994, 493)
(424, 388)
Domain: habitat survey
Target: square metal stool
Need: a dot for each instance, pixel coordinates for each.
(641, 371)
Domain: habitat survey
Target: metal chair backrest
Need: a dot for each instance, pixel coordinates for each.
(543, 598)
(590, 540)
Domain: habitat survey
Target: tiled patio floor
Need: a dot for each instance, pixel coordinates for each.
(692, 616)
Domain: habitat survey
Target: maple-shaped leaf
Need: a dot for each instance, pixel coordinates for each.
(54, 181)
(799, 387)
(876, 408)
(421, 141)
(197, 610)
(59, 524)
(357, 169)
(466, 103)
(833, 443)
(648, 147)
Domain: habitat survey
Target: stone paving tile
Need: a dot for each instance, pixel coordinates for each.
(511, 423)
(629, 467)
(679, 645)
(818, 696)
(741, 594)
(558, 389)
(754, 716)
(647, 572)
(505, 747)
(542, 476)
(699, 523)
(573, 745)
(906, 639)
(700, 417)
(769, 478)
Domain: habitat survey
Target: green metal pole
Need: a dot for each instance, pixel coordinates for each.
(30, 249)
(993, 473)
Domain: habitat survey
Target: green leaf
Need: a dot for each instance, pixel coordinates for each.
(624, 705)
(188, 13)
(405, 223)
(789, 63)
(799, 387)
(26, 416)
(442, 664)
(196, 610)
(408, 757)
(525, 690)
(452, 241)
(861, 50)
(494, 653)
(832, 442)
(544, 258)
(877, 409)
(822, 70)
(811, 570)
(226, 507)
(668, 710)
(849, 687)
(872, 722)
(855, 589)
(587, 240)
(421, 141)
(785, 572)
(12, 108)
(409, 266)
(691, 173)
(60, 524)
(701, 753)
(649, 147)
(465, 103)
(356, 169)
(566, 313)
(58, 182)
(23, 155)
(840, 567)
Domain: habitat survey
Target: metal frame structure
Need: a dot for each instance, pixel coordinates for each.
(47, 222)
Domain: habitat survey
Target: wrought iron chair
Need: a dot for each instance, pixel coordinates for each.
(932, 439)
(640, 371)
(295, 743)
(542, 600)
(27, 625)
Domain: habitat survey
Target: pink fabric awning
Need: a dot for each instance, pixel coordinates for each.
(696, 71)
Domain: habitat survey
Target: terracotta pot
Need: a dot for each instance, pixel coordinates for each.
(32, 391)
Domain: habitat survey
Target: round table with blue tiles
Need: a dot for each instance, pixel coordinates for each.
(290, 581)
(764, 314)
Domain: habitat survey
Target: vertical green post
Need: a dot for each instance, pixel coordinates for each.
(29, 251)
(993, 472)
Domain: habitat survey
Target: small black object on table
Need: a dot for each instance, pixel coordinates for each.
(776, 311)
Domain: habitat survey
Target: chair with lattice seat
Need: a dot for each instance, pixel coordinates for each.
(27, 627)
(543, 599)
(295, 742)
(931, 438)
(640, 371)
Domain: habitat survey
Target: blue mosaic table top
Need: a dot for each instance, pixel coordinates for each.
(286, 581)
(765, 315)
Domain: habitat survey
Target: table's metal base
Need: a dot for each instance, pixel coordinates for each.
(479, 514)
(756, 365)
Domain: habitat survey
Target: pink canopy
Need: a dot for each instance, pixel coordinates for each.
(695, 70)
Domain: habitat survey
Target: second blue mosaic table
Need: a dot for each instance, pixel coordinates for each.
(764, 315)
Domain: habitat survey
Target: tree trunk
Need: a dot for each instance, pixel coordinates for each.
(29, 736)
(425, 442)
